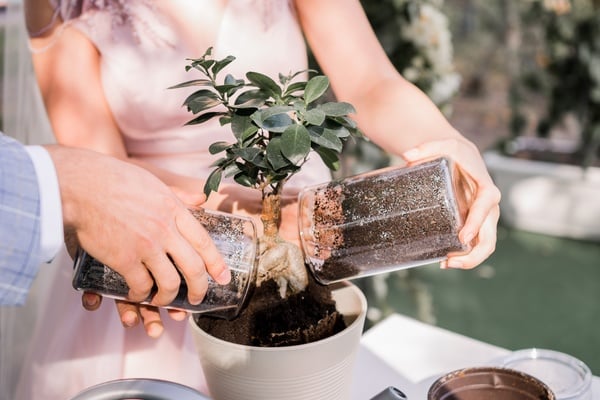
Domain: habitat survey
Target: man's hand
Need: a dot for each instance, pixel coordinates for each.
(129, 220)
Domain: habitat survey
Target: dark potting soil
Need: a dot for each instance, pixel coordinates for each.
(270, 321)
(399, 216)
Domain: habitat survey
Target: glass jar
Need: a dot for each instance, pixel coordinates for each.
(234, 236)
(384, 220)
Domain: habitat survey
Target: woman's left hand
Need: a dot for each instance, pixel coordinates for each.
(132, 314)
(480, 226)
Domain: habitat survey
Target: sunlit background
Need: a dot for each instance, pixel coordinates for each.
(499, 70)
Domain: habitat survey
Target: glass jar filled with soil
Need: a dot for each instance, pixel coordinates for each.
(235, 237)
(384, 220)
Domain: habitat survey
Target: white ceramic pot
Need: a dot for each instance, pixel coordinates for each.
(318, 370)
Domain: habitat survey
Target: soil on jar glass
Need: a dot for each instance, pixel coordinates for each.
(396, 217)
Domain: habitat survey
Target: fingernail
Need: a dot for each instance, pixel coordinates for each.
(179, 316)
(224, 277)
(195, 302)
(154, 330)
(91, 301)
(129, 319)
(411, 154)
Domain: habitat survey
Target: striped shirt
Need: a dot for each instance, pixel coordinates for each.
(20, 256)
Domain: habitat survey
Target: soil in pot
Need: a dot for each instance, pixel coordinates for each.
(269, 320)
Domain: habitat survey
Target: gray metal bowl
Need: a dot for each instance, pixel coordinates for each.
(142, 389)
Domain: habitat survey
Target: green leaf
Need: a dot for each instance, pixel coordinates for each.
(218, 147)
(315, 88)
(204, 117)
(219, 65)
(345, 121)
(330, 158)
(250, 99)
(326, 138)
(290, 77)
(339, 109)
(201, 100)
(294, 87)
(339, 130)
(275, 123)
(275, 156)
(280, 176)
(265, 83)
(203, 64)
(314, 116)
(230, 86)
(347, 125)
(230, 80)
(267, 113)
(195, 82)
(213, 182)
(225, 120)
(248, 135)
(245, 180)
(220, 162)
(295, 143)
(242, 127)
(231, 170)
(228, 89)
(251, 155)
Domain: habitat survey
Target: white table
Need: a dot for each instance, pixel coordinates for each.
(409, 355)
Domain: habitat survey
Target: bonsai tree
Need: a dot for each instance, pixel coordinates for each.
(275, 125)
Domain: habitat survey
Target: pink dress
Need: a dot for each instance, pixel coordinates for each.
(144, 46)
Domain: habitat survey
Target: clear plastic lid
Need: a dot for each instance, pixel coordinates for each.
(568, 377)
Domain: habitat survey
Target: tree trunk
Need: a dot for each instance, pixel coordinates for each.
(271, 215)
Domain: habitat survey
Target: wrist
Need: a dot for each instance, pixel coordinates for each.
(66, 163)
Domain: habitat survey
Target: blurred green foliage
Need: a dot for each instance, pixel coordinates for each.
(565, 70)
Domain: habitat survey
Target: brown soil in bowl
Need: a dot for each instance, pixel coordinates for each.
(270, 321)
(489, 383)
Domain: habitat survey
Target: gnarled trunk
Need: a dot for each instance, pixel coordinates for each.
(279, 260)
(271, 215)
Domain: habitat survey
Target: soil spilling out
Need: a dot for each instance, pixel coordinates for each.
(393, 218)
(271, 321)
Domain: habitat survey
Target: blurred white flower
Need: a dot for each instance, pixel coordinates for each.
(411, 73)
(444, 88)
(432, 67)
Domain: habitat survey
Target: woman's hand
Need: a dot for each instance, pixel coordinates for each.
(480, 226)
(131, 314)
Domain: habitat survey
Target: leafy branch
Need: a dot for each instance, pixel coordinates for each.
(275, 124)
